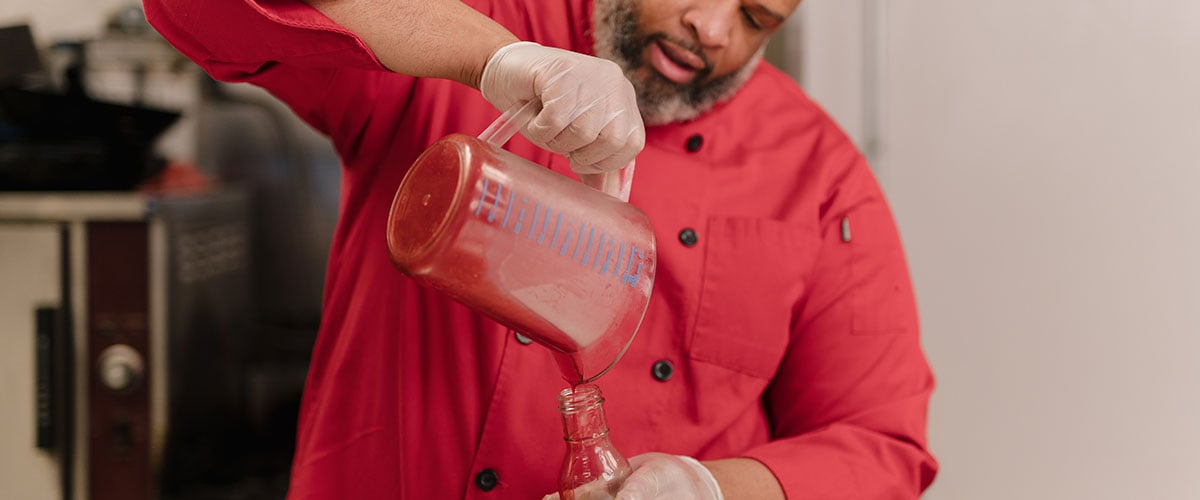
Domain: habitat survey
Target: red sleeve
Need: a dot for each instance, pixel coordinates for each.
(849, 404)
(284, 46)
(565, 24)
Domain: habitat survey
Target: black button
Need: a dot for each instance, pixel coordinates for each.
(688, 237)
(694, 142)
(487, 480)
(662, 370)
(523, 340)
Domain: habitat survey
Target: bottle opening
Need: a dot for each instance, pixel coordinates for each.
(582, 409)
(579, 398)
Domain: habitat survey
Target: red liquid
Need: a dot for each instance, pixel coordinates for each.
(570, 365)
(585, 365)
(542, 254)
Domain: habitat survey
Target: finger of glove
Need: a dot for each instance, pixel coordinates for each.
(581, 96)
(582, 130)
(528, 72)
(563, 127)
(607, 153)
(580, 106)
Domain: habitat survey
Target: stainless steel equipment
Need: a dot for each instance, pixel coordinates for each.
(124, 332)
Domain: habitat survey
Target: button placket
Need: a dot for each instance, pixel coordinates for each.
(487, 452)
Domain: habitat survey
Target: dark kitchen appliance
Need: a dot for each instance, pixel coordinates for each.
(126, 343)
(66, 140)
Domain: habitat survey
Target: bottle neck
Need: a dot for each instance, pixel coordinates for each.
(582, 409)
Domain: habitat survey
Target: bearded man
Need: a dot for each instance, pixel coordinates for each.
(779, 355)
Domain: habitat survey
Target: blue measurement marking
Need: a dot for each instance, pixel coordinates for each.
(533, 225)
(599, 250)
(557, 223)
(579, 241)
(607, 256)
(567, 240)
(619, 254)
(632, 278)
(508, 207)
(520, 216)
(579, 245)
(546, 226)
(606, 245)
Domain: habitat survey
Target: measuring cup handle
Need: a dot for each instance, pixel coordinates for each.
(616, 183)
(512, 120)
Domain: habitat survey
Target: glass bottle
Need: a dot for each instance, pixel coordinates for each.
(593, 468)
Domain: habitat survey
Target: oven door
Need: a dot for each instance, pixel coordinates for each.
(35, 376)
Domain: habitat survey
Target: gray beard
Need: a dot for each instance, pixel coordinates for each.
(661, 101)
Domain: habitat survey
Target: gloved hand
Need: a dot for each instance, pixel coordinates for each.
(589, 109)
(659, 476)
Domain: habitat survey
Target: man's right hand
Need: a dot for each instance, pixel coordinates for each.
(589, 109)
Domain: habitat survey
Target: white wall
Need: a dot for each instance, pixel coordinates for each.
(832, 47)
(60, 19)
(1043, 162)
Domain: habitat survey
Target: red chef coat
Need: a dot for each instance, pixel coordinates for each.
(782, 325)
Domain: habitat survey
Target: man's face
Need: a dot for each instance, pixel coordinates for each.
(683, 56)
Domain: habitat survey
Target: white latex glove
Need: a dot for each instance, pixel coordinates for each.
(659, 476)
(589, 110)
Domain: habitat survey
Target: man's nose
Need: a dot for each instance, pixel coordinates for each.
(712, 21)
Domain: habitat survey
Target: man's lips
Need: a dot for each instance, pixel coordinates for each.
(675, 62)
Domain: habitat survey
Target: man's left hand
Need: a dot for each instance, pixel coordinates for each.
(659, 476)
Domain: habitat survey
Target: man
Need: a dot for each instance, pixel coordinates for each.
(780, 347)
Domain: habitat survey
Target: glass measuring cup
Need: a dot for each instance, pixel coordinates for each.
(553, 259)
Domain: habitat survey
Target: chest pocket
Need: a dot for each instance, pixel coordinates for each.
(754, 276)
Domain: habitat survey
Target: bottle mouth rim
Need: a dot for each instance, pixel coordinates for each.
(580, 397)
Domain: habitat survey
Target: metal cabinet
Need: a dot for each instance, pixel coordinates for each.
(122, 320)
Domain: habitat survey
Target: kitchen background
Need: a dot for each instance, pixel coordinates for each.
(1041, 160)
